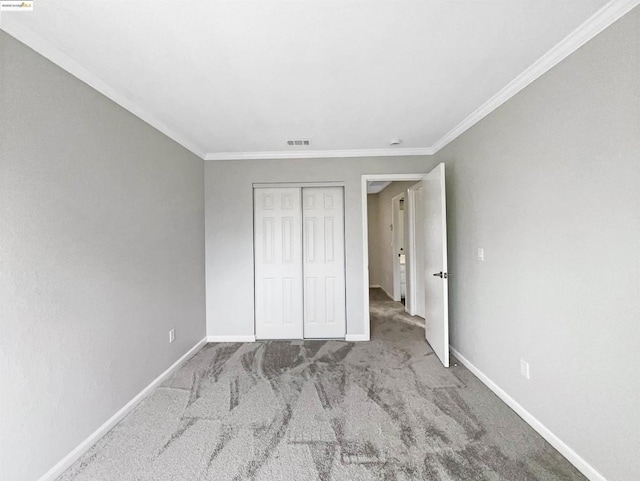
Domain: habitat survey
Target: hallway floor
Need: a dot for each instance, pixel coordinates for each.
(327, 410)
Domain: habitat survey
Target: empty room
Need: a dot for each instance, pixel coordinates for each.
(319, 240)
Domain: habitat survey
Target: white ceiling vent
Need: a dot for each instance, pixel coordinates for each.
(301, 142)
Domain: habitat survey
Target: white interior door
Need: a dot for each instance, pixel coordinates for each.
(278, 263)
(417, 193)
(324, 274)
(436, 283)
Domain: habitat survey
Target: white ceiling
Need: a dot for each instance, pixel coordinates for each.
(234, 78)
(377, 186)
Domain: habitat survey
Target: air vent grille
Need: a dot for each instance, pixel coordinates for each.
(299, 142)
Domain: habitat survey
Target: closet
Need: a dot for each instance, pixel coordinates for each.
(299, 262)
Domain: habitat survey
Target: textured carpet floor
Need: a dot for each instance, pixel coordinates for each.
(379, 410)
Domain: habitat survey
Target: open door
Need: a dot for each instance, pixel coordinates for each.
(431, 221)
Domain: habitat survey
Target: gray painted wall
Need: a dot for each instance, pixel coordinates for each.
(549, 186)
(229, 230)
(101, 253)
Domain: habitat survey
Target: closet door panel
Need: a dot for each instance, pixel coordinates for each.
(278, 263)
(324, 271)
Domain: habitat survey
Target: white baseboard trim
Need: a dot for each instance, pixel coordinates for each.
(383, 290)
(231, 338)
(574, 458)
(73, 456)
(356, 337)
(411, 322)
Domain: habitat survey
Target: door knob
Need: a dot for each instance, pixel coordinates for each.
(442, 275)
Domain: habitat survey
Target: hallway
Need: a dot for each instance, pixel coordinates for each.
(382, 307)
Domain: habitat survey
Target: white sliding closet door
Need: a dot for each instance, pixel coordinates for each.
(278, 263)
(324, 274)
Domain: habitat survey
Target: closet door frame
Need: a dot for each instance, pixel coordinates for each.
(301, 185)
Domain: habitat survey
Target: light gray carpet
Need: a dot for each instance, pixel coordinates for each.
(379, 410)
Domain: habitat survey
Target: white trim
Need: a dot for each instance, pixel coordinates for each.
(356, 337)
(62, 60)
(411, 322)
(232, 338)
(319, 154)
(376, 286)
(574, 458)
(595, 24)
(269, 185)
(365, 262)
(603, 18)
(73, 456)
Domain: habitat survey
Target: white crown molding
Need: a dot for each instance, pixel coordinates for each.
(603, 18)
(85, 445)
(11, 26)
(574, 458)
(318, 154)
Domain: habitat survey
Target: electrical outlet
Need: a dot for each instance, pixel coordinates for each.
(524, 368)
(172, 335)
(480, 254)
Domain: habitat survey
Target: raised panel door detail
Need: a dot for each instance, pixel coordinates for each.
(328, 201)
(329, 239)
(324, 271)
(309, 202)
(287, 239)
(278, 263)
(286, 201)
(267, 238)
(330, 299)
(310, 303)
(310, 240)
(267, 202)
(267, 303)
(288, 301)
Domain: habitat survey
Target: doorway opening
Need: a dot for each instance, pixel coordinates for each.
(404, 247)
(387, 238)
(398, 249)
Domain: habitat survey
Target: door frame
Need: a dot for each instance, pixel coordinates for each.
(301, 185)
(365, 242)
